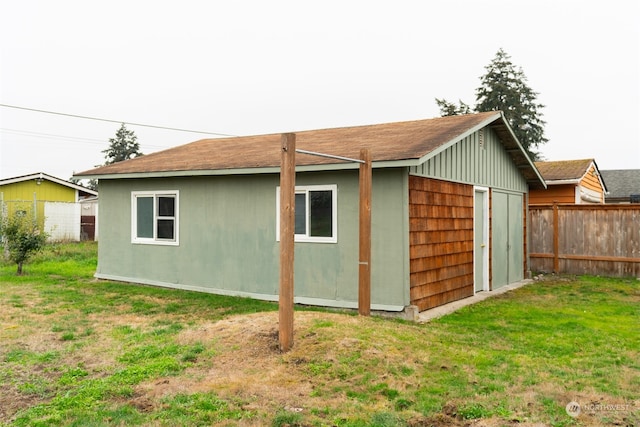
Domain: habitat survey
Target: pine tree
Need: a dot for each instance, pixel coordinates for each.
(91, 184)
(450, 109)
(123, 147)
(504, 87)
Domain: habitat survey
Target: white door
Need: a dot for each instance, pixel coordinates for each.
(480, 241)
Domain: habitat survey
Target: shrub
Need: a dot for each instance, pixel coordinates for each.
(21, 237)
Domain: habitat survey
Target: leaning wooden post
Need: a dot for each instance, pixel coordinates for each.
(287, 234)
(556, 239)
(364, 271)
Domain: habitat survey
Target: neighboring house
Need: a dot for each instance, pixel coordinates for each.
(448, 203)
(569, 181)
(623, 185)
(53, 201)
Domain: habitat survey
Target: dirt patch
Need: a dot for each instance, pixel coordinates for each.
(448, 418)
(249, 362)
(11, 401)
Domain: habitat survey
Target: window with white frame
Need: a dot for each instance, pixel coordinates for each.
(154, 217)
(315, 213)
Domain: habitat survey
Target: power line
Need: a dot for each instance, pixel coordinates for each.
(66, 138)
(49, 135)
(112, 121)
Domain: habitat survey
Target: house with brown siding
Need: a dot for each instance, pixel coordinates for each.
(570, 181)
(448, 209)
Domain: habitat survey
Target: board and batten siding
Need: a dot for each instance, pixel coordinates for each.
(479, 159)
(227, 239)
(508, 238)
(441, 241)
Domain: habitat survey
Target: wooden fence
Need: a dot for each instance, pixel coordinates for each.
(585, 239)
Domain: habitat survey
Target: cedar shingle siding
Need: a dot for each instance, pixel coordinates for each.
(441, 241)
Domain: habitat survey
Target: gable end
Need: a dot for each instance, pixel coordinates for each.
(478, 159)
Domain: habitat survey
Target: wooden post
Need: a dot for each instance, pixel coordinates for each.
(556, 239)
(287, 235)
(364, 271)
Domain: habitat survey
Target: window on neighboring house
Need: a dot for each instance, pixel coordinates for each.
(315, 214)
(154, 217)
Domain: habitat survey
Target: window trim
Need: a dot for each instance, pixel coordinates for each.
(134, 218)
(305, 189)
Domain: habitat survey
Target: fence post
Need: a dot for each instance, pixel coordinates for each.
(556, 239)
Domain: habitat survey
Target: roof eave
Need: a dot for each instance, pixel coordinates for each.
(563, 181)
(599, 175)
(528, 163)
(250, 171)
(42, 175)
(463, 135)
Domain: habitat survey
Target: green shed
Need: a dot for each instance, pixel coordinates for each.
(448, 213)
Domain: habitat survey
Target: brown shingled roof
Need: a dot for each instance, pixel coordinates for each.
(564, 170)
(411, 140)
(391, 141)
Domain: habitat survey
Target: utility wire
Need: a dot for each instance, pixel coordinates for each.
(111, 121)
(49, 135)
(65, 138)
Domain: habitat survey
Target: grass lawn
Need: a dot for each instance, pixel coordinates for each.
(75, 351)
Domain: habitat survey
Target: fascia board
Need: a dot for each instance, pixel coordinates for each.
(70, 184)
(564, 182)
(463, 135)
(524, 153)
(251, 171)
(598, 174)
(19, 179)
(487, 122)
(48, 178)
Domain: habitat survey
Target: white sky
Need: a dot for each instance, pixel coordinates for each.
(253, 67)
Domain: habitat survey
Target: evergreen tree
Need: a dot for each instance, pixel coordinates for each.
(123, 147)
(450, 109)
(91, 184)
(504, 87)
